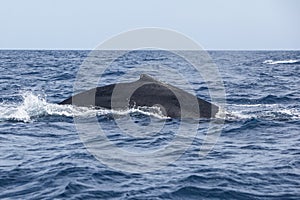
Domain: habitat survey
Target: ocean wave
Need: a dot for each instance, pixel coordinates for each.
(272, 62)
(277, 112)
(34, 106)
(267, 99)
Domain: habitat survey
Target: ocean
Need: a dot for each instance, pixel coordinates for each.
(42, 154)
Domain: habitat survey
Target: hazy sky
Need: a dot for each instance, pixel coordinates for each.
(215, 24)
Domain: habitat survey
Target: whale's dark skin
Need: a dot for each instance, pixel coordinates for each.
(147, 92)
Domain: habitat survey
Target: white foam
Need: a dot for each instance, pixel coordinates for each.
(294, 113)
(149, 111)
(261, 111)
(271, 62)
(34, 106)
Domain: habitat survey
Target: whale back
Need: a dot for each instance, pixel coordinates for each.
(149, 92)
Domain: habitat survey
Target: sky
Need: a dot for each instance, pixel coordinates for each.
(214, 24)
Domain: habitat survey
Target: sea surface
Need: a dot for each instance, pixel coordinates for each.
(43, 156)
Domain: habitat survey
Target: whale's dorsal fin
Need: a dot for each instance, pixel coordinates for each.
(145, 77)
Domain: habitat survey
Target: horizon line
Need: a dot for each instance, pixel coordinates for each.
(86, 49)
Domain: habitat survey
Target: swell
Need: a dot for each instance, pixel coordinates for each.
(268, 99)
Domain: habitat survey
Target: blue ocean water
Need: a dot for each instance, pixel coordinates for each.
(257, 155)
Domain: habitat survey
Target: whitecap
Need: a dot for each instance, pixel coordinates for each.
(272, 62)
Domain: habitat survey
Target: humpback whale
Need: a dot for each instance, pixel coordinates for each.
(147, 91)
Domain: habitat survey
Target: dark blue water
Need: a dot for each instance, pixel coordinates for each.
(257, 155)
